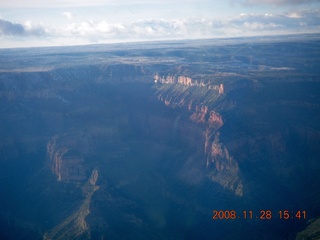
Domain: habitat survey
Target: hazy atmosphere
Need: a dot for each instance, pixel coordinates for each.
(62, 23)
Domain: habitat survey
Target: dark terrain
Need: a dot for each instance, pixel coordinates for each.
(145, 140)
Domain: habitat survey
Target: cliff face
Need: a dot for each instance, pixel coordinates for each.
(66, 154)
(76, 226)
(248, 123)
(187, 81)
(221, 166)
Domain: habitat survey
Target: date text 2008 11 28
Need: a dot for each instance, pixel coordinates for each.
(262, 214)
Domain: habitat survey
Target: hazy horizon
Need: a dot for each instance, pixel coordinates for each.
(68, 23)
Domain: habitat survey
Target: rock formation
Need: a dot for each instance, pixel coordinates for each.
(221, 167)
(187, 81)
(66, 154)
(76, 226)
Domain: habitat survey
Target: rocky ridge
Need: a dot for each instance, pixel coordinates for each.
(66, 154)
(221, 166)
(76, 226)
(187, 81)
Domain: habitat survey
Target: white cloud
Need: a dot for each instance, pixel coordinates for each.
(275, 2)
(68, 15)
(293, 15)
(259, 26)
(85, 3)
(244, 24)
(27, 29)
(52, 3)
(159, 29)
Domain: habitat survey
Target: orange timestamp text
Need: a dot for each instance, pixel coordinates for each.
(262, 214)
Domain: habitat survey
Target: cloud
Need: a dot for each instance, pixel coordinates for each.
(289, 20)
(8, 28)
(293, 15)
(68, 15)
(159, 29)
(52, 3)
(86, 32)
(84, 3)
(141, 29)
(274, 2)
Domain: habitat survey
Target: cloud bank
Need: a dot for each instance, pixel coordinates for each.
(86, 32)
(275, 2)
(8, 28)
(68, 15)
(244, 24)
(84, 3)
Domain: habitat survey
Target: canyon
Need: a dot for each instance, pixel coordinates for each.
(144, 141)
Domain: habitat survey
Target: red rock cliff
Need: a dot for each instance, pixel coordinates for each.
(221, 167)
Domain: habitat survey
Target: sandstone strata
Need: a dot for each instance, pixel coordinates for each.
(187, 81)
(66, 154)
(221, 166)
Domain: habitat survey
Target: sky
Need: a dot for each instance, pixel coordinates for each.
(36, 23)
